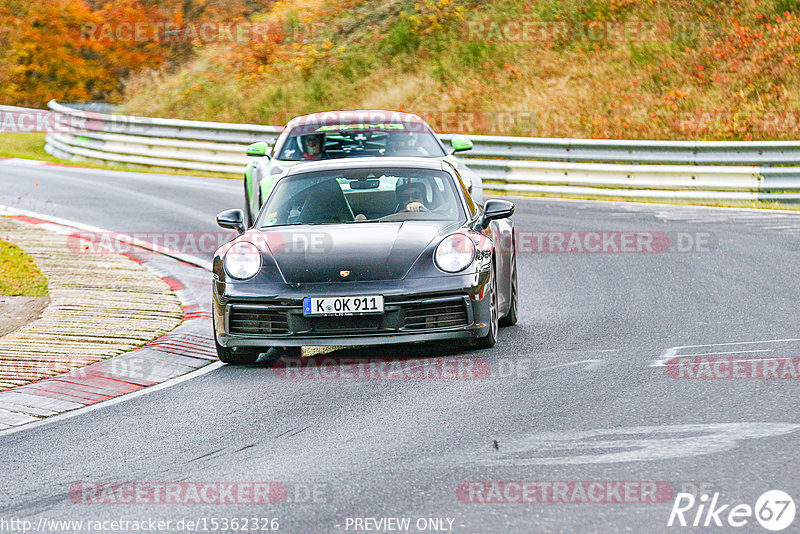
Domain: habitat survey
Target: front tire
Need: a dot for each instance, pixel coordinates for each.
(488, 341)
(240, 357)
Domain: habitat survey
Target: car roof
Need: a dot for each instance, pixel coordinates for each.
(366, 163)
(355, 116)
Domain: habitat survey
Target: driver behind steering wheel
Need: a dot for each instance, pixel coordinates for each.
(312, 146)
(412, 197)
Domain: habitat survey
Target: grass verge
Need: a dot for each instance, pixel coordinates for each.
(19, 275)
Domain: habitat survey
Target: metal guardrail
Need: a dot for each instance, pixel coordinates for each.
(595, 167)
(13, 109)
(634, 151)
(169, 143)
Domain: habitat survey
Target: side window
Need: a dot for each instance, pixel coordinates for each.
(281, 139)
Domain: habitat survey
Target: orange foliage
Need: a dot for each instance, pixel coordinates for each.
(41, 54)
(55, 49)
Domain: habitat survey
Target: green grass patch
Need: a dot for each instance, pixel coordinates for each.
(19, 275)
(24, 145)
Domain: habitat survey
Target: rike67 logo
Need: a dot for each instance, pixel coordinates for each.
(774, 510)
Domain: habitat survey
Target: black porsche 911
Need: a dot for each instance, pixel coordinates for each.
(364, 252)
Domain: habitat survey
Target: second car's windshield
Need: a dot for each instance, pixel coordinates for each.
(355, 140)
(363, 196)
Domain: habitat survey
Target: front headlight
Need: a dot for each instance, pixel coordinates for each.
(242, 261)
(455, 253)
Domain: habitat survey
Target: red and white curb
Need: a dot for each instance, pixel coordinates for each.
(182, 352)
(20, 162)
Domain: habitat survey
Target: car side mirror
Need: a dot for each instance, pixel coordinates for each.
(495, 209)
(258, 150)
(460, 144)
(232, 219)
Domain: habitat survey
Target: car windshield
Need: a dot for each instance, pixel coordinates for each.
(363, 196)
(358, 140)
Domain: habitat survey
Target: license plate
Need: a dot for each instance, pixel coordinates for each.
(369, 304)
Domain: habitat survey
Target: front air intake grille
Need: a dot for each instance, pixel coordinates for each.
(257, 321)
(434, 315)
(351, 324)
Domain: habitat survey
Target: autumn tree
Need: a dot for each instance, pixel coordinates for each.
(54, 49)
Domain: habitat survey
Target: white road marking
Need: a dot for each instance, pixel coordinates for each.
(116, 400)
(743, 343)
(592, 365)
(675, 351)
(613, 445)
(24, 162)
(726, 352)
(775, 358)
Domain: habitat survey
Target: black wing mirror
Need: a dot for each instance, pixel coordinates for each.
(232, 219)
(494, 209)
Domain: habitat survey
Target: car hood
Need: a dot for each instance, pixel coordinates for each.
(351, 252)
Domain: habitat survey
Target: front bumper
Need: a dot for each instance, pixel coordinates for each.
(417, 310)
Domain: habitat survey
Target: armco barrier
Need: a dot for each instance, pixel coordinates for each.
(659, 169)
(633, 151)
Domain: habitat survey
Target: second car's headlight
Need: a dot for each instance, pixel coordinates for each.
(455, 253)
(243, 260)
